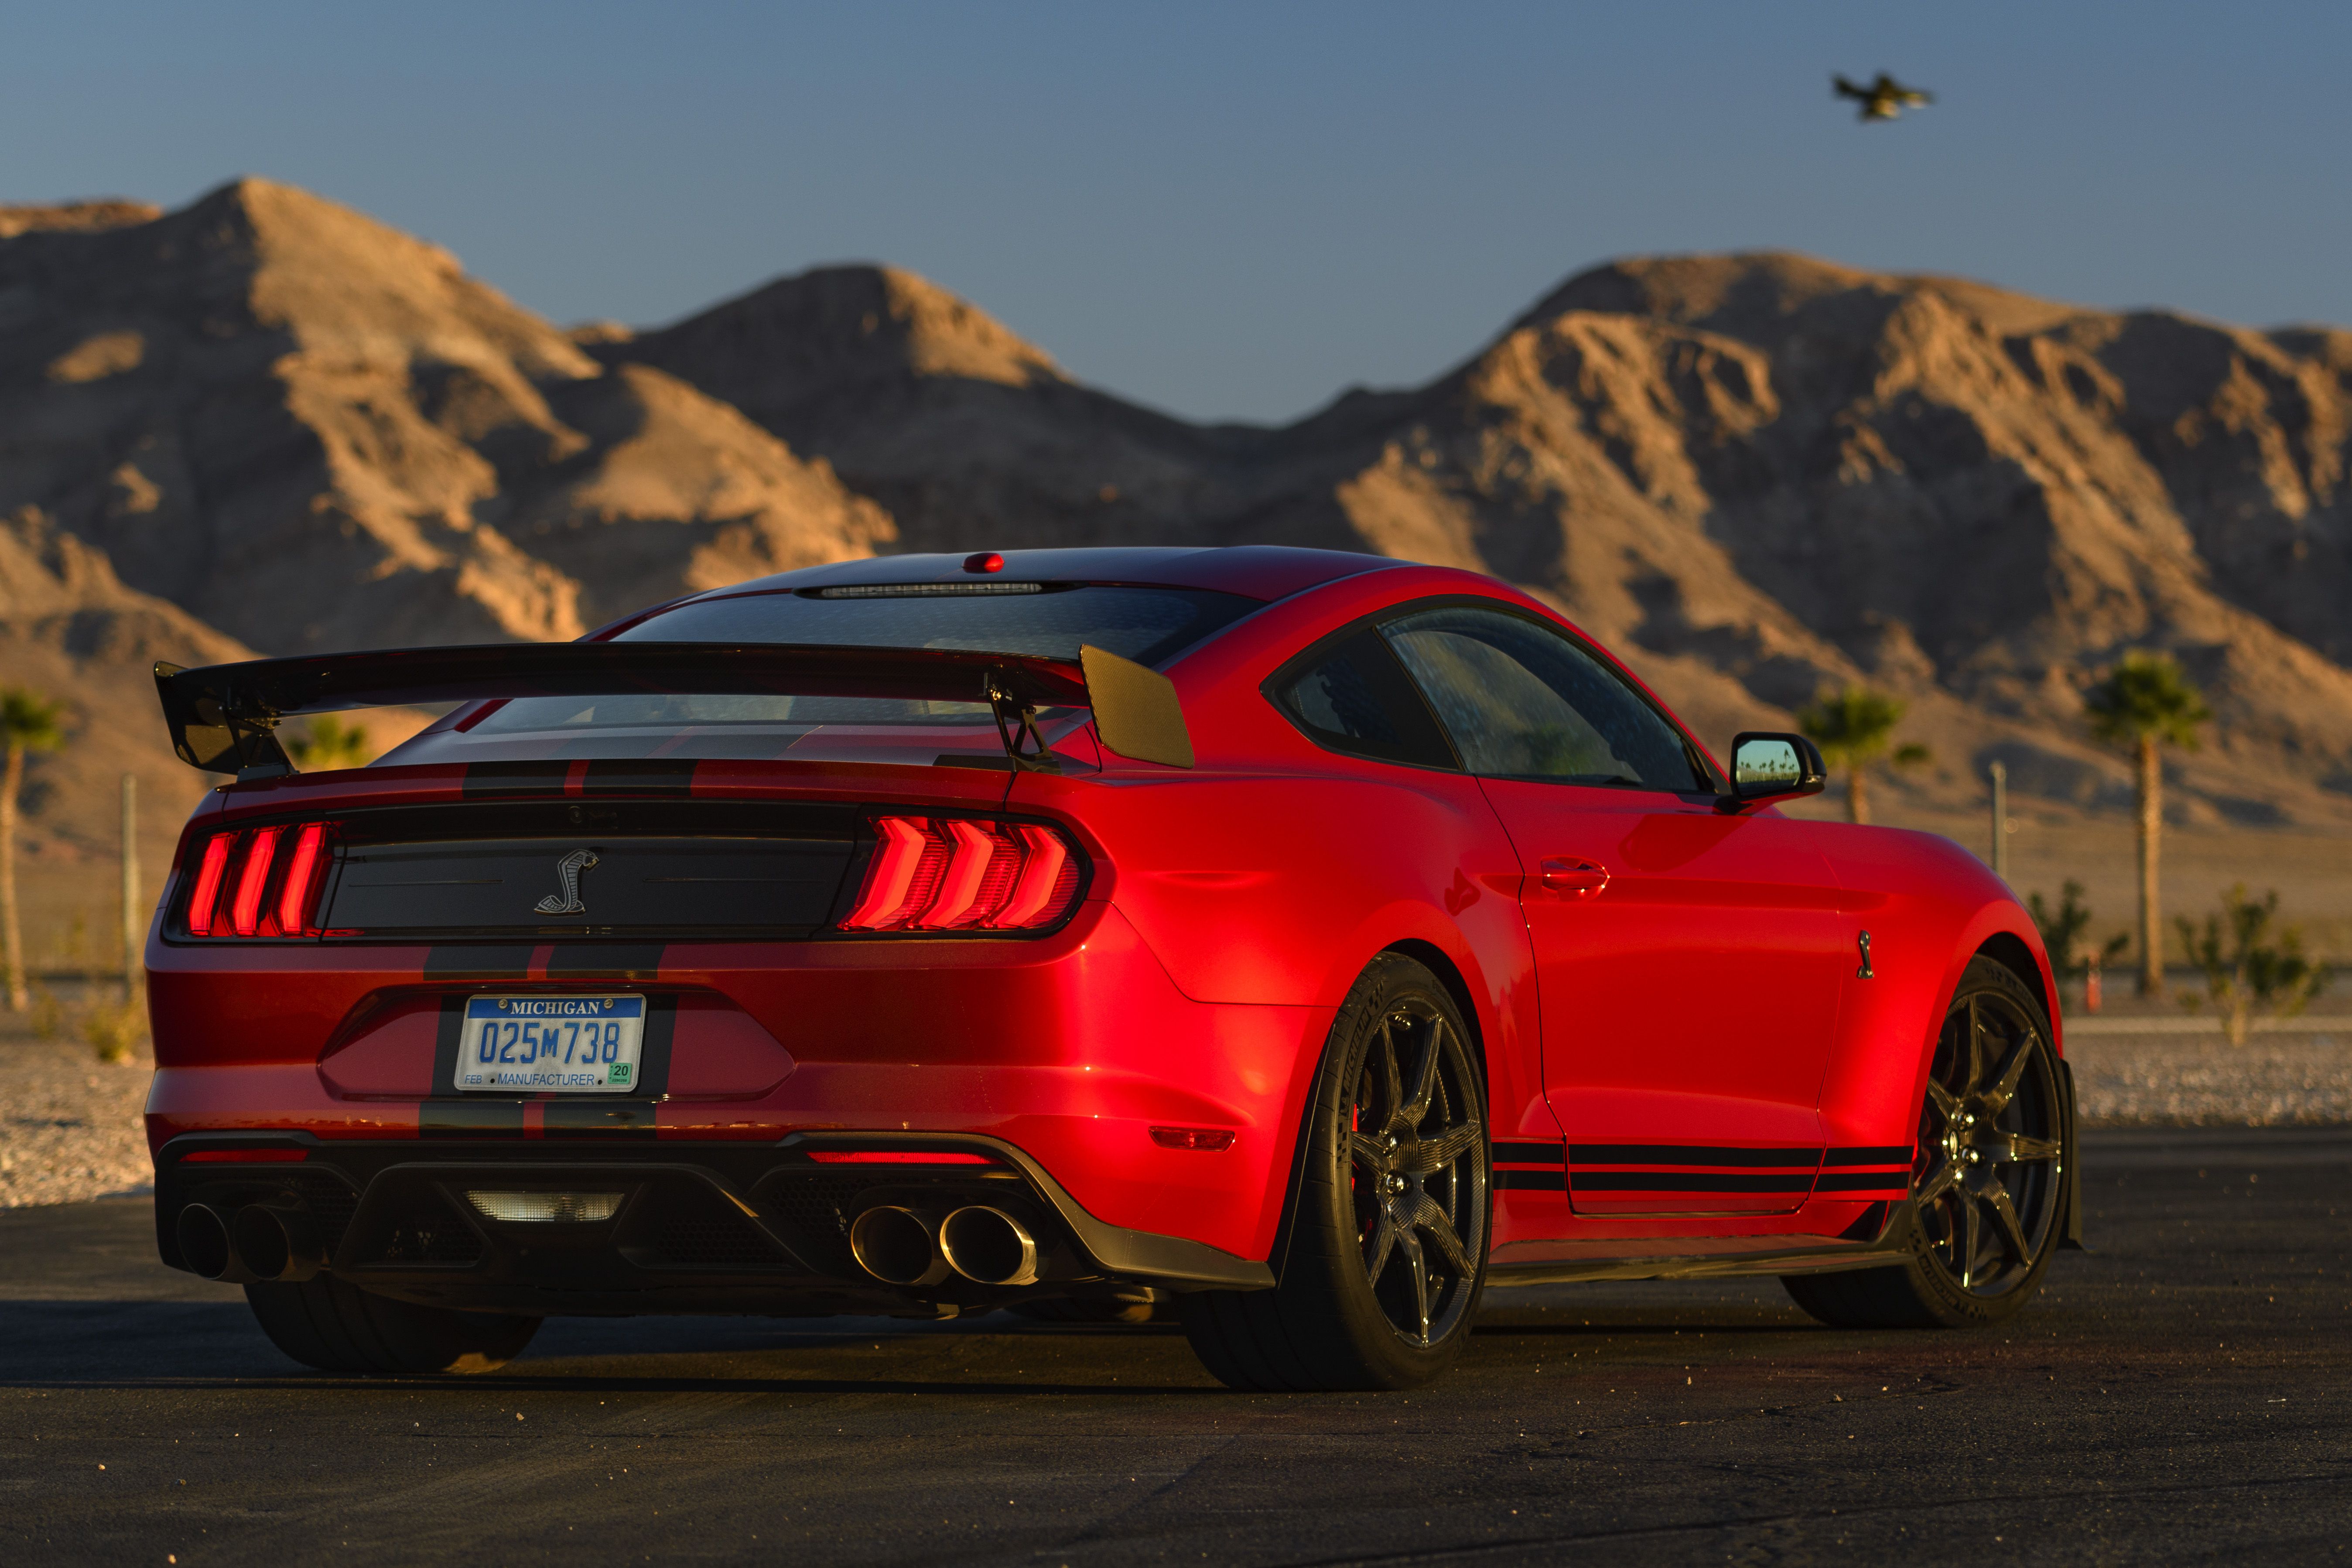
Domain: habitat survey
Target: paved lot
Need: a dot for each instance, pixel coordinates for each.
(2182, 1392)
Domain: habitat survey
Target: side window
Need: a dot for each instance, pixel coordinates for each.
(1523, 702)
(1352, 695)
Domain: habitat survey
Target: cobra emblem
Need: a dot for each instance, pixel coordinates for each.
(567, 872)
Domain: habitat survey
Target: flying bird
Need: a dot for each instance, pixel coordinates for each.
(1885, 99)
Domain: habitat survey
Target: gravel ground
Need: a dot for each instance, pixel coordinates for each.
(69, 1126)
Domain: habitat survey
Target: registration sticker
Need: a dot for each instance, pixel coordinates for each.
(576, 1044)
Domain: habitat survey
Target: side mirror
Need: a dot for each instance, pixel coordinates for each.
(1770, 765)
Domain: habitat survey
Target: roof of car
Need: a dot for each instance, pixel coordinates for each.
(1267, 571)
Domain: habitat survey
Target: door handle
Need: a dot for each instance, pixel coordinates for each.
(1577, 879)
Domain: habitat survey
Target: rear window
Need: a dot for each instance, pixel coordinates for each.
(1051, 620)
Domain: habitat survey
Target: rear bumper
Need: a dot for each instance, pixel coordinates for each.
(1058, 1057)
(729, 1228)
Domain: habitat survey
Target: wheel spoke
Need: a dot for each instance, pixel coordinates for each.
(1947, 1105)
(2004, 1089)
(1368, 1152)
(2014, 1147)
(1392, 1085)
(2011, 1231)
(1383, 1243)
(1432, 1155)
(1419, 1265)
(1425, 1076)
(1971, 1237)
(1938, 1181)
(1429, 1220)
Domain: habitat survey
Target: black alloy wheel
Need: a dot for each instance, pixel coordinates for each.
(1387, 1240)
(1988, 1177)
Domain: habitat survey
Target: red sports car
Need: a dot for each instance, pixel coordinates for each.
(1305, 941)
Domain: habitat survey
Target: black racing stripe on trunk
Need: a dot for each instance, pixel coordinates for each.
(599, 1119)
(1682, 1182)
(1527, 1153)
(1864, 1182)
(1551, 1181)
(469, 1119)
(1688, 1155)
(490, 781)
(447, 1035)
(620, 961)
(671, 776)
(1892, 1154)
(471, 961)
(661, 1028)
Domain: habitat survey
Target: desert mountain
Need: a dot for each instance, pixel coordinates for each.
(313, 432)
(1758, 475)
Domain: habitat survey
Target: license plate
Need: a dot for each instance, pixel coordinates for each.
(583, 1044)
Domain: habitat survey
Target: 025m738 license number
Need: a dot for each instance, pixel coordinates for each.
(536, 1043)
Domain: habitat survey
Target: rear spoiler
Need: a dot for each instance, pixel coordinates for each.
(224, 717)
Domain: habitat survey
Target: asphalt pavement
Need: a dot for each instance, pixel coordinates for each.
(2180, 1392)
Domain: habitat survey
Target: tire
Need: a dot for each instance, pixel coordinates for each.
(1388, 1235)
(335, 1327)
(1989, 1177)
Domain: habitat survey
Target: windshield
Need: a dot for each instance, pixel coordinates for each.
(1147, 625)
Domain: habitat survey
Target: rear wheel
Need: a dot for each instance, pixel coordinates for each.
(334, 1327)
(1388, 1243)
(1988, 1177)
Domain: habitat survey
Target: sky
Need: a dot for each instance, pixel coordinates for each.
(1231, 211)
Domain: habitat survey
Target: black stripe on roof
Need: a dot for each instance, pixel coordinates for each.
(1689, 1154)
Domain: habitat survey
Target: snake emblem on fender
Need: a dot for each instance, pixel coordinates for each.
(567, 873)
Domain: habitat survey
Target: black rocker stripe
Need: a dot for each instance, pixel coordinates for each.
(1684, 1182)
(1891, 1155)
(1551, 1181)
(1864, 1182)
(1527, 1153)
(1688, 1155)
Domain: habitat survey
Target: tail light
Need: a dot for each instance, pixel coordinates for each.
(938, 873)
(259, 882)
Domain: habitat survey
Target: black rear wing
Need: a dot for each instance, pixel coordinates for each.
(224, 717)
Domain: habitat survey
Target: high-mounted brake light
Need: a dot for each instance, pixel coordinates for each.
(964, 874)
(246, 887)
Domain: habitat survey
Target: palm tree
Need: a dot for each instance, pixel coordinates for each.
(27, 723)
(329, 742)
(2145, 701)
(1853, 729)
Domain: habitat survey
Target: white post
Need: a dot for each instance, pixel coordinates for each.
(2000, 820)
(134, 927)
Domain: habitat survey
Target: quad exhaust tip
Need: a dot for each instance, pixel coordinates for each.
(986, 1245)
(989, 1247)
(257, 1243)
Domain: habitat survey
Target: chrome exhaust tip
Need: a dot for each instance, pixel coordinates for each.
(204, 1239)
(989, 1247)
(277, 1241)
(895, 1246)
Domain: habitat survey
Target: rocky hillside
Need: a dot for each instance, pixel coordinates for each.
(264, 419)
